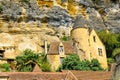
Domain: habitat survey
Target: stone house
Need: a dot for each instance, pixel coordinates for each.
(89, 45)
(86, 44)
(57, 52)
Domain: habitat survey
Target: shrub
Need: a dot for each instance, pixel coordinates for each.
(72, 62)
(5, 67)
(29, 59)
(110, 60)
(95, 65)
(115, 52)
(65, 38)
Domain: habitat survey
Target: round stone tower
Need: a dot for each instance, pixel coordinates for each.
(80, 36)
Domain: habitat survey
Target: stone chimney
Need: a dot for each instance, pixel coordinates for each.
(45, 47)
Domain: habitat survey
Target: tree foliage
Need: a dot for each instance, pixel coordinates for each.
(27, 61)
(5, 67)
(110, 40)
(65, 38)
(116, 51)
(72, 62)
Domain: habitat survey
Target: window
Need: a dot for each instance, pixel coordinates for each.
(94, 38)
(99, 51)
(61, 49)
(61, 59)
(1, 54)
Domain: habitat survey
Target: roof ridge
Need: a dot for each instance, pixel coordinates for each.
(69, 72)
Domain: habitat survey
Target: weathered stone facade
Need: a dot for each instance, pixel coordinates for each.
(89, 46)
(57, 52)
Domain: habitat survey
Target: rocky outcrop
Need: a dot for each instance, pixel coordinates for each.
(93, 13)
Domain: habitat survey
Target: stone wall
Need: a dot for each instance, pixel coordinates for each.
(94, 46)
(87, 48)
(80, 36)
(54, 60)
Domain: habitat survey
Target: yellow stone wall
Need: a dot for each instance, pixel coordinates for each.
(86, 47)
(3, 61)
(81, 36)
(94, 49)
(54, 60)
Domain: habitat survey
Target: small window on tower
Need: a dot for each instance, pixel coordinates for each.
(100, 52)
(94, 38)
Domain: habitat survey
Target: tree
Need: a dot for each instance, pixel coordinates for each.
(27, 61)
(115, 52)
(72, 62)
(110, 41)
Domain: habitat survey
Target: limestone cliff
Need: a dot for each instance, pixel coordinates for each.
(33, 21)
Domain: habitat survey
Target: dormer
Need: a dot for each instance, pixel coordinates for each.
(61, 49)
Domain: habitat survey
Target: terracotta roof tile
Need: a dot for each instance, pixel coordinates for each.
(36, 76)
(92, 75)
(37, 69)
(54, 48)
(66, 75)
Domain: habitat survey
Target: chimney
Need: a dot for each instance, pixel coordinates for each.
(45, 47)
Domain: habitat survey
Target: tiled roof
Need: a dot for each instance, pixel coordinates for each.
(37, 69)
(54, 48)
(67, 75)
(36, 76)
(93, 75)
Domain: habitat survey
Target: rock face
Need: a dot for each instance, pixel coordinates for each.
(116, 75)
(29, 22)
(97, 14)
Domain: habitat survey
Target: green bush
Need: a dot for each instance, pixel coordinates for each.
(5, 67)
(27, 61)
(65, 38)
(72, 62)
(95, 65)
(46, 67)
(110, 60)
(116, 51)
